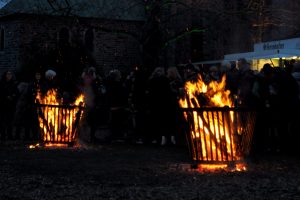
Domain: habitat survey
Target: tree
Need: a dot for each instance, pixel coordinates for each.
(270, 18)
(202, 29)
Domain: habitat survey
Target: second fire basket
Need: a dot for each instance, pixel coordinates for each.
(219, 134)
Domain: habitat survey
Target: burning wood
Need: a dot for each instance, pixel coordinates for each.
(58, 123)
(218, 132)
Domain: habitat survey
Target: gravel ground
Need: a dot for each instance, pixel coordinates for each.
(122, 171)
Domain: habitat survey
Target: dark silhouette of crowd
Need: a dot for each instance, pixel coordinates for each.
(143, 107)
(274, 93)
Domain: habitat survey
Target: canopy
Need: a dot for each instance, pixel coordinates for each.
(276, 54)
(236, 56)
(267, 54)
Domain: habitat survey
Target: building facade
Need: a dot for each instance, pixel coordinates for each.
(232, 26)
(113, 34)
(68, 37)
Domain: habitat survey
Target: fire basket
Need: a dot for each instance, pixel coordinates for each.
(218, 135)
(219, 130)
(58, 123)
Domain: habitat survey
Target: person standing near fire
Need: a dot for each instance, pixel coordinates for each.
(177, 91)
(51, 80)
(245, 83)
(160, 106)
(8, 101)
(88, 77)
(118, 104)
(231, 72)
(136, 84)
(35, 86)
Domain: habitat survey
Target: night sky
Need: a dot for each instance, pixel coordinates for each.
(3, 3)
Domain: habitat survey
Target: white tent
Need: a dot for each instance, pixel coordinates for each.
(237, 56)
(282, 53)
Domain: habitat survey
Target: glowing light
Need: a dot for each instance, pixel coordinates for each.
(213, 133)
(58, 122)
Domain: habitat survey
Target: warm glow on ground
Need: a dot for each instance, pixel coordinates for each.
(219, 167)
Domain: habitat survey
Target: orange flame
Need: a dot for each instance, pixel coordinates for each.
(214, 91)
(57, 124)
(211, 126)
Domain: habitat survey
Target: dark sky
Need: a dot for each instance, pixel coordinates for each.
(2, 4)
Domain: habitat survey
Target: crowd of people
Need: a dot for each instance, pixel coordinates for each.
(132, 107)
(144, 107)
(274, 93)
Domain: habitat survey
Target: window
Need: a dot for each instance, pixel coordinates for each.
(1, 39)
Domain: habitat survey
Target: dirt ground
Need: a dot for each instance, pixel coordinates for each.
(127, 171)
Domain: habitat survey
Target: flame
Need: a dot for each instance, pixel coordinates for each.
(57, 123)
(215, 127)
(214, 91)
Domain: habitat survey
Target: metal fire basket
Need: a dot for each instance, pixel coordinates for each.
(219, 134)
(59, 124)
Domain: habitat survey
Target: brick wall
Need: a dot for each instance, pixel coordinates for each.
(114, 45)
(8, 57)
(118, 46)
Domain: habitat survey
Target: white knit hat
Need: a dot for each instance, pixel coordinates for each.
(50, 74)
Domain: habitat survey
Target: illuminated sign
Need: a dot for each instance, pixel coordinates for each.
(271, 46)
(293, 43)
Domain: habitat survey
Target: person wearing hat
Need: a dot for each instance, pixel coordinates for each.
(50, 80)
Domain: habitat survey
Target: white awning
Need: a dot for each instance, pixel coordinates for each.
(267, 54)
(208, 62)
(237, 56)
(287, 53)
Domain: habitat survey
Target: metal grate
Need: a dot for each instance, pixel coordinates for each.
(218, 135)
(59, 124)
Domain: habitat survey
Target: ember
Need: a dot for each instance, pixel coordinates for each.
(58, 122)
(218, 132)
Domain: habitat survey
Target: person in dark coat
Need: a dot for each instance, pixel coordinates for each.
(8, 100)
(118, 104)
(267, 104)
(35, 86)
(288, 99)
(51, 80)
(21, 114)
(231, 73)
(245, 82)
(136, 84)
(99, 115)
(176, 117)
(160, 105)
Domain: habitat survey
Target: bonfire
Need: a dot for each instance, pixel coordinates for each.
(219, 133)
(58, 122)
